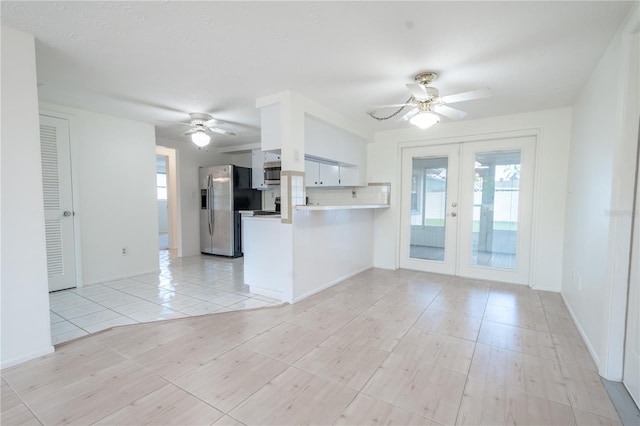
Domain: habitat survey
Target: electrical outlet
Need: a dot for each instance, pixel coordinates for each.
(353, 193)
(124, 251)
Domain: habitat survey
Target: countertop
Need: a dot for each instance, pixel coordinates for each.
(264, 217)
(348, 207)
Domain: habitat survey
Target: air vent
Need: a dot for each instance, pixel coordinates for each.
(53, 232)
(49, 152)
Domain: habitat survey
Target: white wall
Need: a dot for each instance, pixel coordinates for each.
(600, 191)
(553, 128)
(329, 246)
(114, 171)
(268, 257)
(190, 158)
(240, 159)
(23, 279)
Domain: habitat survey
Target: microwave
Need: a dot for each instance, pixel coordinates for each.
(272, 173)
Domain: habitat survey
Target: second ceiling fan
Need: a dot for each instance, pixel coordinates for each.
(202, 126)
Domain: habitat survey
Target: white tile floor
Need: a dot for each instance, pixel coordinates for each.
(187, 286)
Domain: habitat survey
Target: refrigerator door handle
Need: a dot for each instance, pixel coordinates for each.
(209, 204)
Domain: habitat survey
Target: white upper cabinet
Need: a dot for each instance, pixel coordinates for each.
(270, 131)
(311, 172)
(301, 130)
(349, 176)
(319, 174)
(257, 169)
(271, 157)
(335, 145)
(329, 174)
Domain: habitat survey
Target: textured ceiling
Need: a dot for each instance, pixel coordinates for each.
(157, 61)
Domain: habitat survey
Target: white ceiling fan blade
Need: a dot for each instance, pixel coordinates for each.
(449, 112)
(222, 132)
(485, 92)
(191, 131)
(214, 122)
(407, 116)
(417, 90)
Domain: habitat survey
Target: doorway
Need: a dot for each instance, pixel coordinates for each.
(466, 209)
(169, 236)
(163, 207)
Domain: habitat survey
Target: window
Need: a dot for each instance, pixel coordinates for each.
(161, 183)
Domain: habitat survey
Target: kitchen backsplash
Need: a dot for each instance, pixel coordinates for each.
(375, 193)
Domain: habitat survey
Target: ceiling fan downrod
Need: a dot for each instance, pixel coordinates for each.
(426, 78)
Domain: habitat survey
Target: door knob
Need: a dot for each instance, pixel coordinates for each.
(453, 214)
(454, 204)
(67, 213)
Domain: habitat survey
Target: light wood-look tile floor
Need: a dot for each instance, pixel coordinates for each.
(384, 347)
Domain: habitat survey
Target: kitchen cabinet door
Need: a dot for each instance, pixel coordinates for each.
(257, 169)
(270, 157)
(312, 173)
(270, 127)
(321, 174)
(349, 176)
(329, 174)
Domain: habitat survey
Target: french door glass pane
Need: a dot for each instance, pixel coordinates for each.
(495, 209)
(428, 208)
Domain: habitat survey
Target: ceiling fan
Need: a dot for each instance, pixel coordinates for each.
(426, 104)
(202, 127)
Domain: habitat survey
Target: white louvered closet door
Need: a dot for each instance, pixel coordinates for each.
(58, 202)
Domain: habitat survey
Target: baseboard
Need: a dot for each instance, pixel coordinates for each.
(265, 292)
(27, 357)
(549, 289)
(331, 284)
(385, 268)
(585, 339)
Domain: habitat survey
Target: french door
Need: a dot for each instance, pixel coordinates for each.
(467, 209)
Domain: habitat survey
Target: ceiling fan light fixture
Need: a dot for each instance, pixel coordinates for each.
(424, 119)
(200, 138)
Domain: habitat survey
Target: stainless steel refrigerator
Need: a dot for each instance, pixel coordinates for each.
(224, 190)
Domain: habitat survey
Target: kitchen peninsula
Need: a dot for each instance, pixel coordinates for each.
(317, 244)
(321, 247)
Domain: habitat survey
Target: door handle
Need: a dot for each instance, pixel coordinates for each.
(453, 214)
(213, 220)
(210, 216)
(209, 206)
(67, 213)
(211, 210)
(210, 224)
